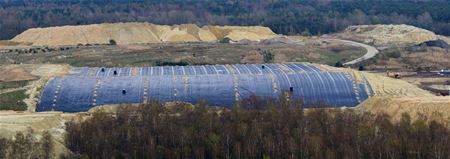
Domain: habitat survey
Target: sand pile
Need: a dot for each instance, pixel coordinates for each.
(135, 33)
(388, 34)
(385, 86)
(254, 33)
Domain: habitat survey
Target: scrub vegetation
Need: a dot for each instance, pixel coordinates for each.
(254, 130)
(184, 54)
(26, 145)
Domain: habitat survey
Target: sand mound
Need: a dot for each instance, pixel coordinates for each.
(388, 34)
(135, 33)
(256, 33)
(432, 108)
(385, 86)
(381, 85)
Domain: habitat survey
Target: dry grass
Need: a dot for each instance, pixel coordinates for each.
(194, 53)
(15, 73)
(432, 108)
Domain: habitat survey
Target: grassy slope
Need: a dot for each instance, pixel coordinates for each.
(13, 101)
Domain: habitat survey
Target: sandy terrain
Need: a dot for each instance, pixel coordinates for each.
(385, 86)
(6, 44)
(432, 108)
(382, 85)
(382, 35)
(136, 33)
(29, 72)
(15, 73)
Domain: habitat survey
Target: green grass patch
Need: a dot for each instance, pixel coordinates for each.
(13, 84)
(13, 101)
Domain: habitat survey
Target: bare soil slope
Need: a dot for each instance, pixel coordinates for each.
(27, 72)
(135, 33)
(15, 73)
(385, 86)
(54, 122)
(431, 108)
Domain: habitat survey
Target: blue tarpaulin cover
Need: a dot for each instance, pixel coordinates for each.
(219, 85)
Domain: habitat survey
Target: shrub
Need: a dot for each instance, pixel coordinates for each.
(226, 40)
(393, 54)
(26, 145)
(171, 63)
(361, 67)
(338, 64)
(268, 56)
(112, 42)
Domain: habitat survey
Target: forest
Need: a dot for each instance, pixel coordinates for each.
(307, 17)
(253, 129)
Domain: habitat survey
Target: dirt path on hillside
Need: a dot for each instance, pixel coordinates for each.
(371, 51)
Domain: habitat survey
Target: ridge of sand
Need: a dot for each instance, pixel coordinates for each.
(136, 33)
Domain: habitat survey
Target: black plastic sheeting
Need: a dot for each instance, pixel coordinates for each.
(219, 85)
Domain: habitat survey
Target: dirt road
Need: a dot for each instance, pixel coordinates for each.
(371, 51)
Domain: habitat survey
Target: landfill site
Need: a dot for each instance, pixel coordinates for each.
(53, 75)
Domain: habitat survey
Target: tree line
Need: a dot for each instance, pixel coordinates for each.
(255, 129)
(307, 17)
(26, 146)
